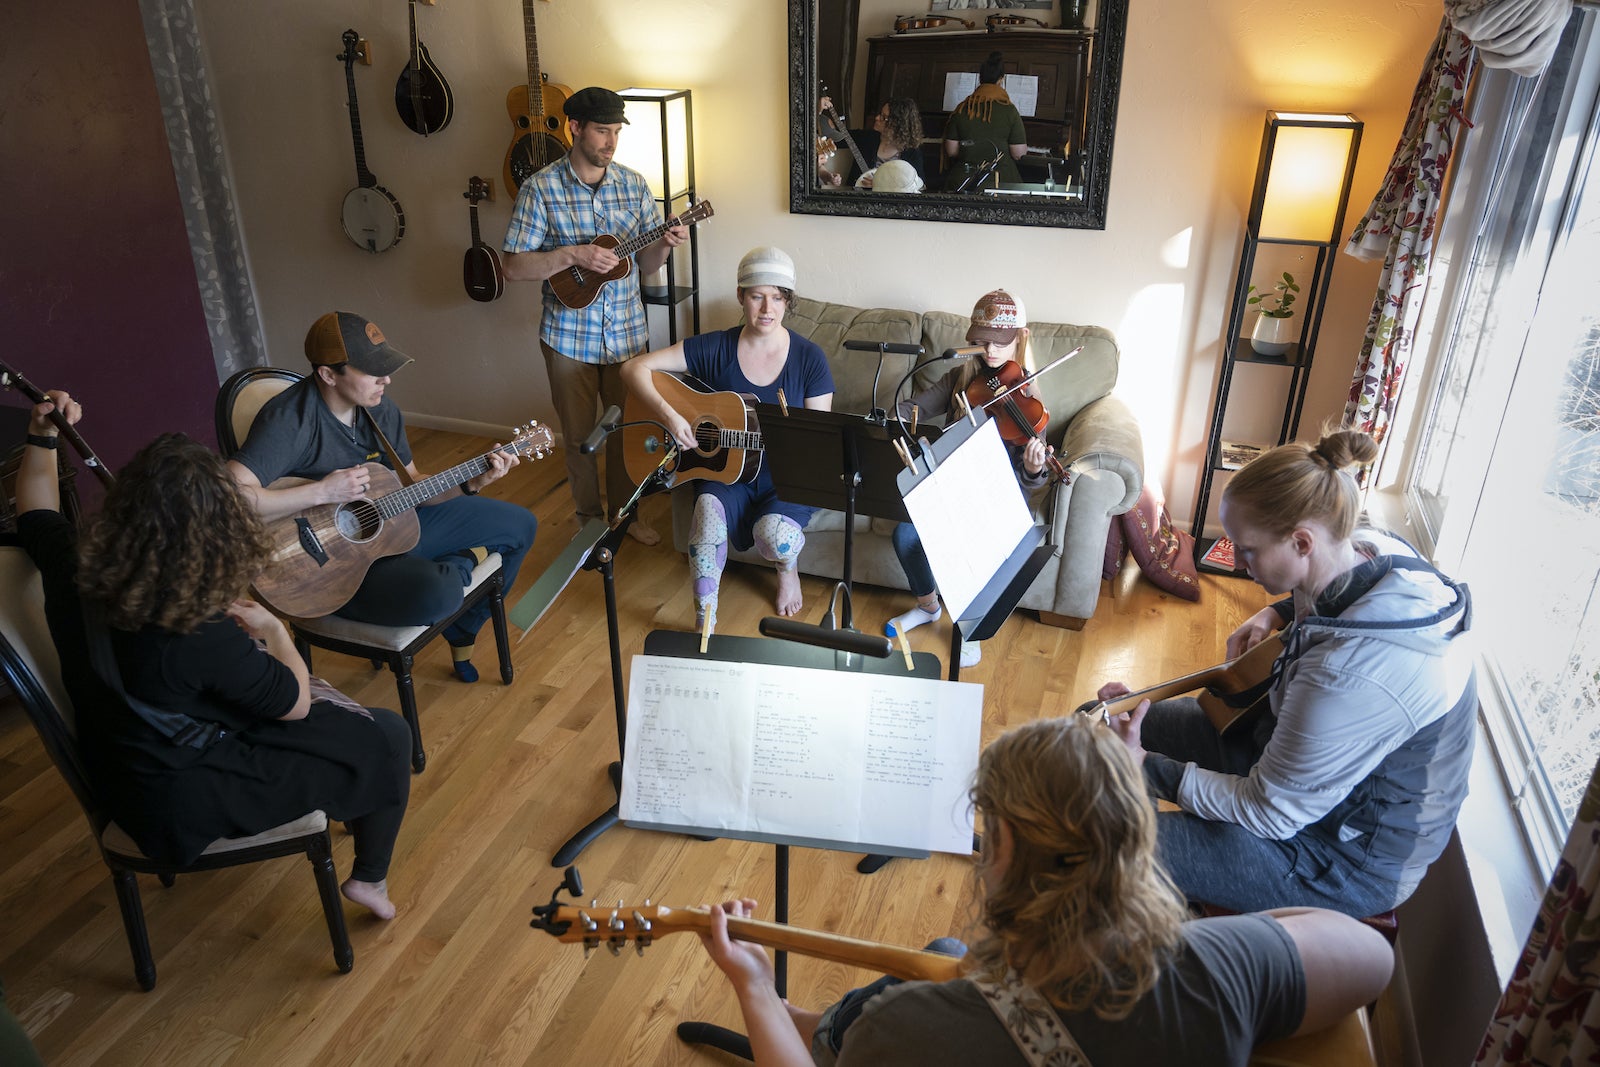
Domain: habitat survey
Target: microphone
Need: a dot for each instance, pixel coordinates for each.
(805, 633)
(884, 346)
(597, 436)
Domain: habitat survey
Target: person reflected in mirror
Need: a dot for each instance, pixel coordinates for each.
(1000, 325)
(985, 128)
(195, 715)
(1081, 943)
(896, 134)
(896, 176)
(762, 357)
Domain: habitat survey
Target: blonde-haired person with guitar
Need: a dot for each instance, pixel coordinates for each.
(763, 358)
(1082, 943)
(1345, 786)
(323, 431)
(560, 211)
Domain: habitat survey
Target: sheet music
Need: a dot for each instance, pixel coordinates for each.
(1024, 92)
(958, 85)
(788, 752)
(970, 515)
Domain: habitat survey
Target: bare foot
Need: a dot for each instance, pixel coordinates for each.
(805, 1022)
(645, 535)
(789, 598)
(374, 896)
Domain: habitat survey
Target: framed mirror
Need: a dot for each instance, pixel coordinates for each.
(1075, 74)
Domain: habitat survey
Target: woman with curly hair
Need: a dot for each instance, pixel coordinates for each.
(1083, 943)
(896, 134)
(194, 713)
(1344, 791)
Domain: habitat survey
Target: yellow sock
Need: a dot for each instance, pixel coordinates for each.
(460, 653)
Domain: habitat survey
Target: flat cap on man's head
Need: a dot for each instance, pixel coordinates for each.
(340, 337)
(595, 104)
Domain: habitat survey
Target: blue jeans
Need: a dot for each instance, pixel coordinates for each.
(913, 560)
(1224, 864)
(427, 583)
(829, 1036)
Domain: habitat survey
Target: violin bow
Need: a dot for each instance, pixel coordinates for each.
(1028, 379)
(9, 377)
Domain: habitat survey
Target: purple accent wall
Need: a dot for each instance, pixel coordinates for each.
(97, 289)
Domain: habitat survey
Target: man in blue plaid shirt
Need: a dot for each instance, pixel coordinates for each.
(560, 211)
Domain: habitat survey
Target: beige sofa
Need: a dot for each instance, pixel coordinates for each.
(1094, 433)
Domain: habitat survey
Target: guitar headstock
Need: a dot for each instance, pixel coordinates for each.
(533, 438)
(594, 925)
(477, 190)
(698, 211)
(354, 48)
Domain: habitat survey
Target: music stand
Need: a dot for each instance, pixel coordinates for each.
(833, 459)
(683, 645)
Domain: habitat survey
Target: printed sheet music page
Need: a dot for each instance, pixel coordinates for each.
(803, 756)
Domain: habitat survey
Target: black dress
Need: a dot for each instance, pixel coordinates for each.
(174, 800)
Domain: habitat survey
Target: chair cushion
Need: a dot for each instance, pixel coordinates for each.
(388, 638)
(115, 839)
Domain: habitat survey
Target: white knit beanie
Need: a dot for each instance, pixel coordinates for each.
(766, 265)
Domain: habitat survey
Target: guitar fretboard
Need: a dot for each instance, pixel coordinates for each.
(627, 248)
(749, 440)
(402, 500)
(364, 177)
(530, 33)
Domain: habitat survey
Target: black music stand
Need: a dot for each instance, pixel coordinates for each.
(682, 645)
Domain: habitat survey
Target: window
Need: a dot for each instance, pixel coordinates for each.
(1506, 478)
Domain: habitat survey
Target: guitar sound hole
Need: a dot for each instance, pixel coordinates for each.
(707, 437)
(358, 521)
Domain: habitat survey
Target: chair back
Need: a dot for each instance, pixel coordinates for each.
(31, 666)
(241, 399)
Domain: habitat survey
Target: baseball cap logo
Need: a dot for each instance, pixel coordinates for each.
(374, 334)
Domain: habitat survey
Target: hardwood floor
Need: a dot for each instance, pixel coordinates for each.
(246, 972)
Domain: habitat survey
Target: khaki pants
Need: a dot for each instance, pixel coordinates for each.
(581, 391)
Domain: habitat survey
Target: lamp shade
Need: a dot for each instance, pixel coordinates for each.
(658, 141)
(1307, 161)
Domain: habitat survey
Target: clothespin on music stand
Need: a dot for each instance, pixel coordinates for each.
(905, 455)
(964, 409)
(705, 633)
(905, 650)
(783, 403)
(914, 414)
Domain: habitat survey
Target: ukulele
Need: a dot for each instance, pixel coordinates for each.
(576, 287)
(421, 94)
(370, 214)
(480, 269)
(539, 134)
(9, 377)
(320, 555)
(1234, 690)
(726, 431)
(615, 927)
(848, 141)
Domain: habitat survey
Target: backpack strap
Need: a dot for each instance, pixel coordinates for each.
(1033, 1024)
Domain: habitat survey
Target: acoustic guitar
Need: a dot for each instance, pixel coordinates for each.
(481, 272)
(726, 431)
(371, 216)
(539, 134)
(421, 94)
(862, 170)
(1236, 691)
(577, 287)
(320, 555)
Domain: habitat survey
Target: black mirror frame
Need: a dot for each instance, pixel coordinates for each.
(1087, 214)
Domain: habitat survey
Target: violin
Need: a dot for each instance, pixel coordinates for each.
(1023, 418)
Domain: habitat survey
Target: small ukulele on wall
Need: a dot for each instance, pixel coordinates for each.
(371, 216)
(421, 94)
(480, 270)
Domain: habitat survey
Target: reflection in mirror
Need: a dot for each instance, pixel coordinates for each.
(882, 75)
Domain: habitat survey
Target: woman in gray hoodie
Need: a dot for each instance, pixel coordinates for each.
(1346, 788)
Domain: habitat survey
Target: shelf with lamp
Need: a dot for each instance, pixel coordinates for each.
(659, 144)
(1302, 182)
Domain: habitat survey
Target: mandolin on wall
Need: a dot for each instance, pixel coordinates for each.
(421, 94)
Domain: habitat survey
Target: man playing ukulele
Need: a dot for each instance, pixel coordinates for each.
(560, 211)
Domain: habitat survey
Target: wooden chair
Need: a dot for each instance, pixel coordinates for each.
(238, 402)
(1348, 1043)
(29, 663)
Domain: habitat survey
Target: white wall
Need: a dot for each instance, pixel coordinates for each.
(1195, 85)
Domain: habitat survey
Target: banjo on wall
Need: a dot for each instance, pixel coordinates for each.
(371, 216)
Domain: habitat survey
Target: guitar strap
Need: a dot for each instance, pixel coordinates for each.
(1033, 1024)
(388, 449)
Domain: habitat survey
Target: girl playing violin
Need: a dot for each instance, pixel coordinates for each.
(1000, 325)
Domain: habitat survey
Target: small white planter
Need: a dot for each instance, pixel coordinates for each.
(1274, 336)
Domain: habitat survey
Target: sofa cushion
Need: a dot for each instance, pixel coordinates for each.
(831, 325)
(1067, 389)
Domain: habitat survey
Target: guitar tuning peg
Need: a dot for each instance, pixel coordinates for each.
(616, 949)
(639, 948)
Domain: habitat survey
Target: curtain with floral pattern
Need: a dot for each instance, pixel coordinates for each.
(194, 138)
(1400, 226)
(1550, 1011)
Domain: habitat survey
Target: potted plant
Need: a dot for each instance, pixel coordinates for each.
(1274, 332)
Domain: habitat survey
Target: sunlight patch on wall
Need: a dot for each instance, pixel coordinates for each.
(1149, 334)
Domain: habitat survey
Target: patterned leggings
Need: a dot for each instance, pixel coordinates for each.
(777, 539)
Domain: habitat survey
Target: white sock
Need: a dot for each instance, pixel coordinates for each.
(911, 620)
(971, 653)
